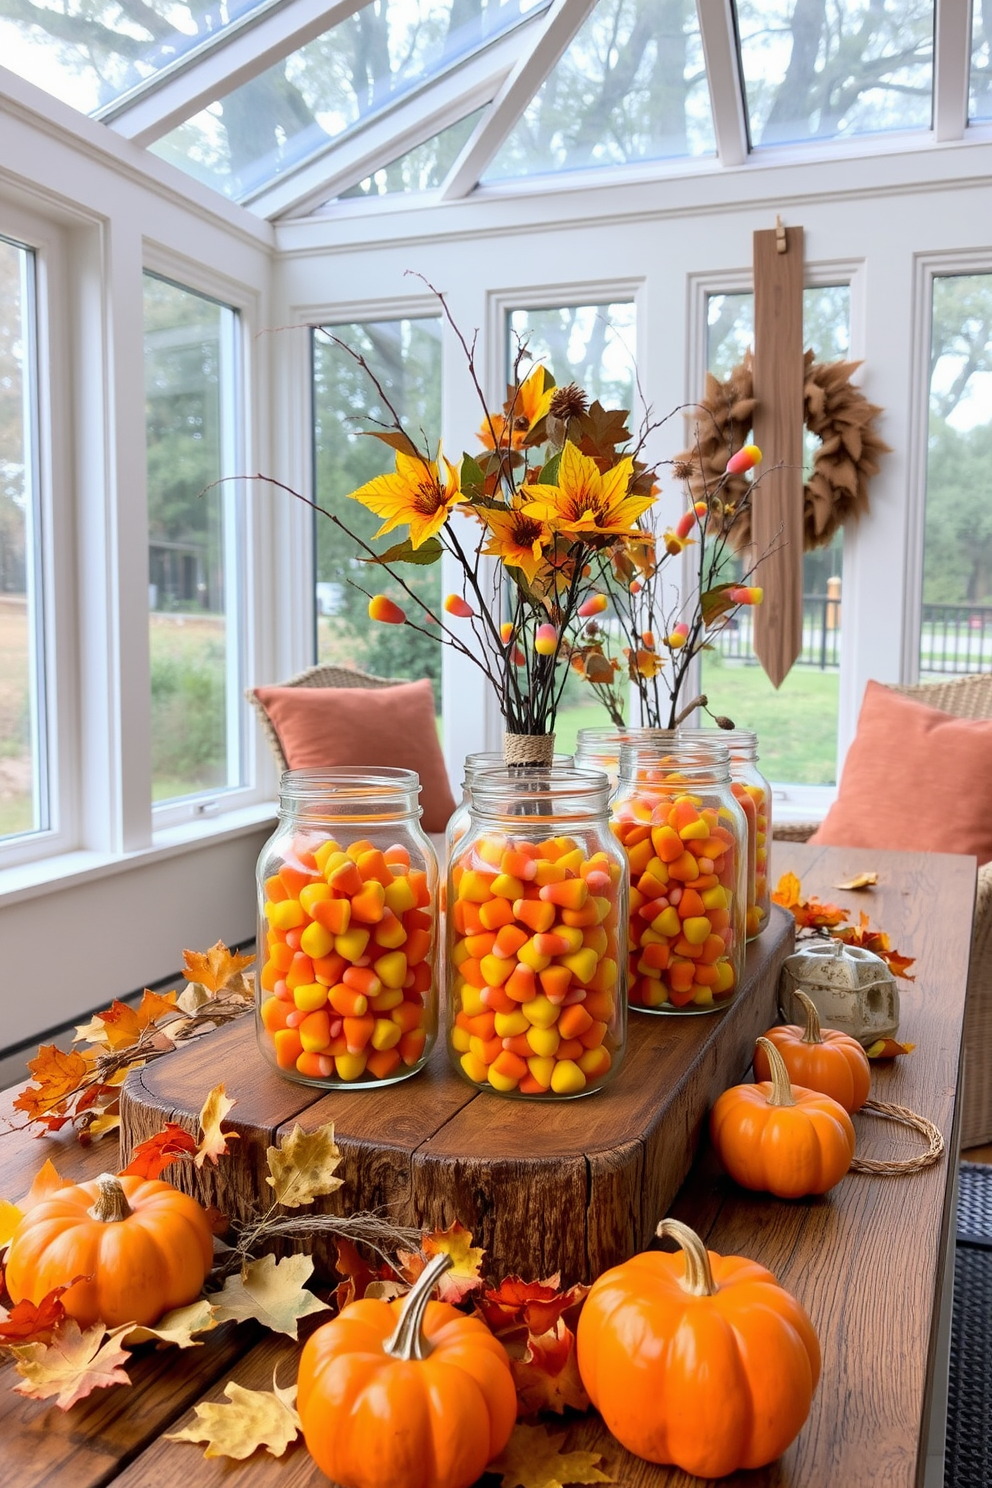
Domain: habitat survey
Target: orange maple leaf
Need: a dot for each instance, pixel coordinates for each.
(547, 1377)
(123, 1025)
(57, 1076)
(878, 942)
(888, 1048)
(536, 1305)
(466, 1261)
(213, 969)
(809, 914)
(156, 1153)
(355, 1269)
(30, 1322)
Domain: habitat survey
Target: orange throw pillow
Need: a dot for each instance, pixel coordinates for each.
(914, 780)
(322, 727)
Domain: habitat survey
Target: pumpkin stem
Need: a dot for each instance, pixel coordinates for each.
(698, 1279)
(781, 1091)
(407, 1339)
(111, 1205)
(812, 1034)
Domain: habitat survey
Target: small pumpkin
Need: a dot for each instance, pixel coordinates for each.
(697, 1360)
(138, 1246)
(405, 1394)
(831, 1062)
(780, 1138)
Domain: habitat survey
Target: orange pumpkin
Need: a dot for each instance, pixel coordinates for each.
(779, 1138)
(138, 1245)
(831, 1062)
(409, 1394)
(697, 1360)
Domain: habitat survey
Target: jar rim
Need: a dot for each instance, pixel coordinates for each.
(740, 738)
(353, 792)
(491, 791)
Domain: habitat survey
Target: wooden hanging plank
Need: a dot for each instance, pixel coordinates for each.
(777, 510)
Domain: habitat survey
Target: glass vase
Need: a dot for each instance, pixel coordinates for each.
(537, 912)
(348, 901)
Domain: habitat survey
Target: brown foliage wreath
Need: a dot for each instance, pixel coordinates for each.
(835, 411)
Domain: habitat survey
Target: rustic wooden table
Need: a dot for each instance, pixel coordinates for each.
(868, 1261)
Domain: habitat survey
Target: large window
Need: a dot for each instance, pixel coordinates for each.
(956, 632)
(193, 530)
(797, 725)
(23, 756)
(405, 358)
(593, 346)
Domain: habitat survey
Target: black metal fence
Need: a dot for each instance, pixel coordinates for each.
(953, 638)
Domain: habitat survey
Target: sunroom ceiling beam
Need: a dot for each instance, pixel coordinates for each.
(387, 136)
(723, 76)
(951, 69)
(210, 75)
(560, 25)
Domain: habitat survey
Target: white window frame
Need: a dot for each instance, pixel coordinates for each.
(241, 500)
(793, 802)
(53, 495)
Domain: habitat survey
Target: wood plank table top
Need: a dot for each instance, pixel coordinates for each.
(866, 1261)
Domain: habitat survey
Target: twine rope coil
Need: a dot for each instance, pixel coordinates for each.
(528, 749)
(897, 1166)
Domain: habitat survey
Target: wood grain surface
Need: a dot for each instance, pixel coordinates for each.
(865, 1260)
(569, 1186)
(777, 520)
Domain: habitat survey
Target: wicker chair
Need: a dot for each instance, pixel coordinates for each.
(317, 676)
(963, 697)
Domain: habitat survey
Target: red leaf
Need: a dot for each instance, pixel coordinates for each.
(28, 1322)
(356, 1271)
(156, 1153)
(547, 1377)
(537, 1305)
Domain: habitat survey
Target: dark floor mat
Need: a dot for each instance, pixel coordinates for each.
(968, 1456)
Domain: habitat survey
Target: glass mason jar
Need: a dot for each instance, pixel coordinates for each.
(599, 748)
(537, 915)
(685, 837)
(755, 796)
(347, 900)
(474, 763)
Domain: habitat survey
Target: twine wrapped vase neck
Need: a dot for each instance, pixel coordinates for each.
(528, 749)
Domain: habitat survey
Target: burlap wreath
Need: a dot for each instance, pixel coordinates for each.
(836, 412)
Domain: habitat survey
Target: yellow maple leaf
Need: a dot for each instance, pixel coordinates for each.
(45, 1182)
(178, 1326)
(271, 1292)
(466, 1261)
(75, 1363)
(213, 1143)
(254, 1418)
(213, 969)
(533, 1459)
(788, 891)
(302, 1167)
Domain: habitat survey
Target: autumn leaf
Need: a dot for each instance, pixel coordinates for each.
(536, 1305)
(74, 1364)
(788, 891)
(860, 881)
(547, 1377)
(888, 1049)
(45, 1182)
(155, 1154)
(466, 1261)
(809, 914)
(29, 1322)
(123, 1025)
(213, 1142)
(56, 1075)
(303, 1166)
(271, 1292)
(354, 1268)
(213, 969)
(876, 941)
(254, 1418)
(533, 1459)
(178, 1326)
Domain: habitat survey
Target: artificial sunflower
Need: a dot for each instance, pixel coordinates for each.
(516, 538)
(414, 494)
(522, 412)
(587, 502)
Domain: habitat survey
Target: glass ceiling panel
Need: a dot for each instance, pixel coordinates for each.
(631, 86)
(91, 52)
(420, 169)
(835, 68)
(980, 100)
(294, 110)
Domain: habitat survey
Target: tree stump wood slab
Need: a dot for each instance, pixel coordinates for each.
(571, 1186)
